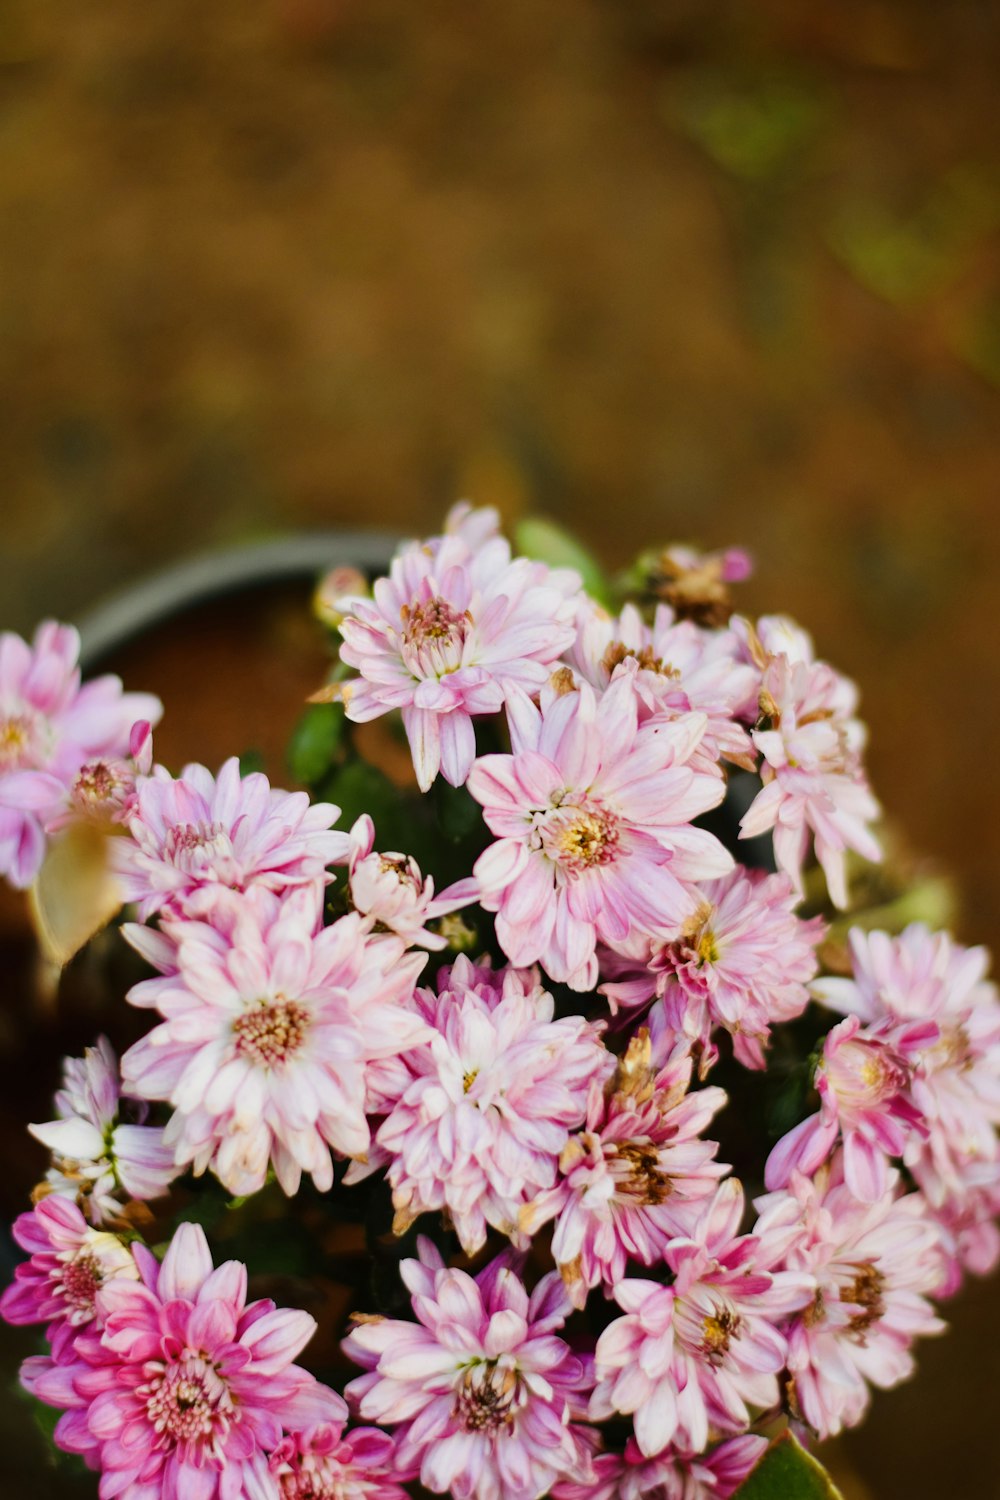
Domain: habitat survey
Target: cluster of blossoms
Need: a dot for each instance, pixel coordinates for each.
(597, 1310)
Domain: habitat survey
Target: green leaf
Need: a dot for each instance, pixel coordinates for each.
(788, 1472)
(315, 742)
(457, 811)
(359, 787)
(560, 549)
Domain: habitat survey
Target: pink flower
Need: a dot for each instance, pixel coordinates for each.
(637, 1176)
(269, 1023)
(695, 1356)
(694, 583)
(592, 814)
(105, 791)
(681, 668)
(69, 1264)
(864, 1081)
(814, 781)
(389, 890)
(197, 835)
(484, 1394)
(875, 1265)
(187, 1390)
(742, 962)
(670, 1475)
(327, 1463)
(50, 727)
(96, 1157)
(489, 1101)
(448, 635)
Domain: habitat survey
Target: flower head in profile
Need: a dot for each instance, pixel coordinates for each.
(98, 1156)
(694, 1357)
(389, 890)
(811, 742)
(481, 1392)
(489, 1100)
(875, 1266)
(453, 629)
(269, 1021)
(51, 728)
(636, 1176)
(326, 1462)
(187, 1389)
(593, 818)
(198, 835)
(671, 1475)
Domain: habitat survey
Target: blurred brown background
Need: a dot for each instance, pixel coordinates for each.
(659, 268)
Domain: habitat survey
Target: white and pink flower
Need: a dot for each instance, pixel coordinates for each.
(326, 1462)
(389, 890)
(714, 1475)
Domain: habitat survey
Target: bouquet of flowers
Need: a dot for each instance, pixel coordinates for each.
(561, 1063)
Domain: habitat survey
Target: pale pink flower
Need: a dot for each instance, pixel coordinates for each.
(694, 1357)
(864, 1081)
(489, 1102)
(670, 1475)
(187, 1389)
(875, 1265)
(637, 1176)
(269, 1023)
(814, 781)
(681, 668)
(389, 890)
(198, 835)
(482, 1393)
(742, 963)
(105, 791)
(592, 814)
(447, 636)
(69, 1264)
(328, 1463)
(97, 1156)
(51, 727)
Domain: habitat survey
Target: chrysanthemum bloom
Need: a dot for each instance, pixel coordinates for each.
(196, 835)
(956, 1084)
(671, 1475)
(69, 1264)
(864, 1082)
(187, 1390)
(50, 727)
(390, 891)
(96, 1157)
(742, 963)
(490, 1100)
(446, 637)
(814, 781)
(875, 1265)
(696, 584)
(104, 791)
(482, 1393)
(327, 1463)
(592, 814)
(696, 1356)
(680, 668)
(268, 1026)
(637, 1176)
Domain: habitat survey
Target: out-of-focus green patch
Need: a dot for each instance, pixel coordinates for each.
(549, 543)
(977, 340)
(756, 127)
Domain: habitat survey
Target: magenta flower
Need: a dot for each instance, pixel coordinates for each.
(875, 1265)
(389, 890)
(69, 1264)
(814, 781)
(268, 1026)
(447, 636)
(864, 1083)
(96, 1157)
(715, 1475)
(50, 727)
(637, 1176)
(696, 1356)
(489, 1101)
(327, 1463)
(198, 835)
(742, 963)
(592, 814)
(483, 1395)
(187, 1390)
